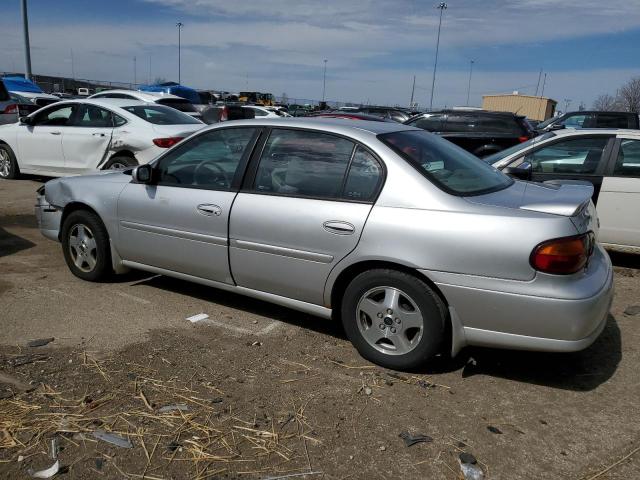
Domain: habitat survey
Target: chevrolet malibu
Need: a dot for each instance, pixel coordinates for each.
(417, 246)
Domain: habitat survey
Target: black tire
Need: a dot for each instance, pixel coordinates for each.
(96, 265)
(10, 170)
(429, 306)
(118, 162)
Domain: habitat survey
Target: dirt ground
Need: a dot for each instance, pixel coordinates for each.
(259, 391)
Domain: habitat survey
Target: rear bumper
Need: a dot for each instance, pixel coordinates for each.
(568, 320)
(48, 218)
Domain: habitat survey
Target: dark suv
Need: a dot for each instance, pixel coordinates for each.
(590, 119)
(480, 132)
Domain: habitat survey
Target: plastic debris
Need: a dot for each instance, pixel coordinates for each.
(99, 463)
(632, 310)
(53, 449)
(40, 342)
(382, 448)
(469, 467)
(198, 318)
(367, 391)
(113, 439)
(256, 344)
(46, 473)
(181, 407)
(495, 430)
(410, 440)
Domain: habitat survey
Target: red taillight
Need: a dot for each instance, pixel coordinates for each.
(224, 114)
(523, 138)
(166, 142)
(563, 256)
(11, 108)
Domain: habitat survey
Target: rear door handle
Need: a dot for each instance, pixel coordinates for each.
(209, 209)
(97, 134)
(55, 133)
(339, 228)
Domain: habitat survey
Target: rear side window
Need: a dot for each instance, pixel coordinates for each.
(178, 104)
(431, 123)
(579, 156)
(483, 124)
(302, 163)
(365, 174)
(4, 94)
(161, 115)
(628, 161)
(613, 121)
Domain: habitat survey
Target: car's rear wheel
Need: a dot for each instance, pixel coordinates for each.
(8, 164)
(119, 163)
(85, 244)
(393, 319)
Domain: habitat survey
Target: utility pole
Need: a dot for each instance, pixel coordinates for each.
(73, 71)
(324, 80)
(469, 87)
(442, 7)
(179, 25)
(149, 77)
(567, 102)
(27, 46)
(413, 90)
(135, 79)
(538, 85)
(543, 84)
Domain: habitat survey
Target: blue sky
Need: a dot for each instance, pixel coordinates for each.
(373, 47)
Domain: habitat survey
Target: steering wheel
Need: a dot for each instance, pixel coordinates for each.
(208, 163)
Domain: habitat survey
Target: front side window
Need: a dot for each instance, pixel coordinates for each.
(578, 121)
(161, 115)
(302, 163)
(56, 117)
(446, 165)
(628, 161)
(210, 160)
(580, 156)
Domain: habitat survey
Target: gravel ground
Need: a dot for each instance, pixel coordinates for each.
(259, 391)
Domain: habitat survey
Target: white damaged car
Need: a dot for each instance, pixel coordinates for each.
(81, 136)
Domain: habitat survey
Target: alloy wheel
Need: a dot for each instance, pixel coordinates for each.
(83, 248)
(5, 164)
(390, 320)
(117, 166)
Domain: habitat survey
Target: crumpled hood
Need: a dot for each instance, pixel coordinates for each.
(59, 190)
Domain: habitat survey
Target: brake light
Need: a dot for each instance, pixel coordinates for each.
(166, 142)
(11, 108)
(563, 256)
(224, 114)
(523, 138)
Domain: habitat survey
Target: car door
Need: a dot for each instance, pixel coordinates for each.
(86, 140)
(180, 223)
(296, 216)
(582, 158)
(620, 196)
(40, 144)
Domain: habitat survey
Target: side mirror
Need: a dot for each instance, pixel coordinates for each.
(521, 172)
(556, 126)
(143, 174)
(26, 120)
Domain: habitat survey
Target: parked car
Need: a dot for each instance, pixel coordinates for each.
(29, 90)
(267, 112)
(80, 136)
(479, 132)
(609, 159)
(407, 238)
(393, 113)
(8, 107)
(176, 89)
(350, 115)
(167, 99)
(590, 119)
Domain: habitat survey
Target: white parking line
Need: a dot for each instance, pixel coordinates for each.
(133, 297)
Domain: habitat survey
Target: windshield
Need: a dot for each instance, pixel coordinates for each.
(160, 115)
(502, 154)
(547, 122)
(448, 166)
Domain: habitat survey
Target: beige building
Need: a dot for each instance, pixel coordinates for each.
(535, 108)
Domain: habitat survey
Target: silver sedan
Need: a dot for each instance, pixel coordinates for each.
(417, 246)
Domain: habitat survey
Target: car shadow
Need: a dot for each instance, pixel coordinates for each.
(625, 260)
(11, 243)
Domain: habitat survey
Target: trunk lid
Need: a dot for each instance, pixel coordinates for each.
(177, 130)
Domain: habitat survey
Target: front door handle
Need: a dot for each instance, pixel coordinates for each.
(97, 134)
(55, 133)
(339, 228)
(209, 209)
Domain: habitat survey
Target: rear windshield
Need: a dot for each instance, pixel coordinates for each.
(4, 95)
(482, 124)
(161, 115)
(178, 104)
(496, 157)
(448, 166)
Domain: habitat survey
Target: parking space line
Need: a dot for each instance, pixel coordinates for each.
(133, 297)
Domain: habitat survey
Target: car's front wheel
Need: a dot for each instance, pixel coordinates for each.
(119, 163)
(393, 319)
(8, 165)
(85, 244)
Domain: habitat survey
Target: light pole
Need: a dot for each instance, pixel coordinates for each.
(442, 7)
(27, 47)
(324, 80)
(135, 79)
(469, 87)
(179, 25)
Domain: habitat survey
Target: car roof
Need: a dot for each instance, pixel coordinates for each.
(583, 112)
(568, 132)
(151, 96)
(104, 102)
(474, 112)
(335, 125)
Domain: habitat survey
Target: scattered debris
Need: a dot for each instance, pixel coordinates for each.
(495, 430)
(173, 446)
(26, 359)
(113, 439)
(99, 463)
(217, 400)
(632, 310)
(471, 368)
(40, 342)
(53, 449)
(410, 440)
(198, 318)
(256, 344)
(174, 408)
(14, 382)
(255, 322)
(382, 448)
(46, 473)
(425, 384)
(469, 467)
(398, 377)
(368, 391)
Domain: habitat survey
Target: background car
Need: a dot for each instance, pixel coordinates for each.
(607, 159)
(80, 136)
(477, 131)
(167, 99)
(29, 90)
(392, 113)
(8, 107)
(349, 115)
(401, 234)
(590, 119)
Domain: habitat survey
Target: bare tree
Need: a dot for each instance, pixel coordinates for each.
(606, 103)
(629, 95)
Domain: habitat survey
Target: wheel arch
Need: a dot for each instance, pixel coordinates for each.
(71, 207)
(120, 153)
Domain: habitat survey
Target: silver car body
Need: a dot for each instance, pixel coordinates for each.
(298, 252)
